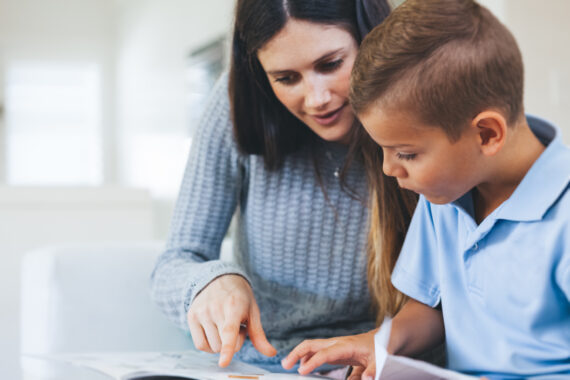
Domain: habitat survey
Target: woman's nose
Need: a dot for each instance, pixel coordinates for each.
(317, 94)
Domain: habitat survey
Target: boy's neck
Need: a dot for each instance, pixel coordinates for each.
(507, 170)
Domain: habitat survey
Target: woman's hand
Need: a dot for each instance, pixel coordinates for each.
(222, 314)
(355, 350)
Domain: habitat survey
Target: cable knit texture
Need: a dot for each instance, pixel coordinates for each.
(303, 255)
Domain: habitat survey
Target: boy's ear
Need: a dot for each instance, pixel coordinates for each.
(491, 129)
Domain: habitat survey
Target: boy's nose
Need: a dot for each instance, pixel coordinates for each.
(387, 167)
(392, 169)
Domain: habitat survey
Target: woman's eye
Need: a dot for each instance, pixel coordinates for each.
(330, 66)
(286, 79)
(406, 156)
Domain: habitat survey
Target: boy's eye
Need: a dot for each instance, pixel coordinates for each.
(406, 156)
(330, 66)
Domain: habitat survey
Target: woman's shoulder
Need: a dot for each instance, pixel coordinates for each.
(215, 124)
(218, 102)
(220, 89)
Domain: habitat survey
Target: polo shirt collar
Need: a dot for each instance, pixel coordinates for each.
(545, 181)
(542, 185)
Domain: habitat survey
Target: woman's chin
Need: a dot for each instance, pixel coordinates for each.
(338, 134)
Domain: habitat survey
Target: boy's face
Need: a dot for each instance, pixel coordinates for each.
(421, 157)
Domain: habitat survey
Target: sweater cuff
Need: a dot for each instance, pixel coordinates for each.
(210, 271)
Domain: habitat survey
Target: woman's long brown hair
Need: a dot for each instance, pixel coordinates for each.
(391, 209)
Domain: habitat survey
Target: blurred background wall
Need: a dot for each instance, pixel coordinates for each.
(98, 100)
(97, 103)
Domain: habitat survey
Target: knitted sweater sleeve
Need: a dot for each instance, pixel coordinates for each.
(206, 202)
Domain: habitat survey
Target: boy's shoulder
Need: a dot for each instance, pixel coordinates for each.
(545, 187)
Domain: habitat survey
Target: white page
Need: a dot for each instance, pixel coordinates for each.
(401, 368)
(392, 367)
(190, 364)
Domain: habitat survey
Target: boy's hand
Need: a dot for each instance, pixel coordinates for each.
(355, 350)
(359, 373)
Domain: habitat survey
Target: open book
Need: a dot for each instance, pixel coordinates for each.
(193, 365)
(188, 365)
(394, 367)
(402, 368)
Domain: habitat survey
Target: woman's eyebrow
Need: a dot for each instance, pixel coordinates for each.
(327, 56)
(278, 72)
(315, 62)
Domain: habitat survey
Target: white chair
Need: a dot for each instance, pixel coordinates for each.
(93, 297)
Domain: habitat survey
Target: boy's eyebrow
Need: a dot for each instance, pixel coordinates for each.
(315, 62)
(395, 146)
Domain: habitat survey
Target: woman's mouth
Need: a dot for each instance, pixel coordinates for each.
(329, 117)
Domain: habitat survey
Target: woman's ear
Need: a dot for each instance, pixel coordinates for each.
(491, 129)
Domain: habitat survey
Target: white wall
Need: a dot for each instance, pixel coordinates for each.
(156, 38)
(141, 48)
(60, 31)
(154, 42)
(47, 31)
(543, 33)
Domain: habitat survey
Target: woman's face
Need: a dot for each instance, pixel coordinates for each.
(308, 66)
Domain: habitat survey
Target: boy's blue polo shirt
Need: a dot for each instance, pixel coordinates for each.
(504, 285)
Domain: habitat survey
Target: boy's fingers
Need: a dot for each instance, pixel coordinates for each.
(356, 373)
(369, 373)
(316, 360)
(304, 351)
(229, 335)
(332, 355)
(305, 358)
(295, 355)
(257, 335)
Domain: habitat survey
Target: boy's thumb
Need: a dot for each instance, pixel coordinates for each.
(369, 373)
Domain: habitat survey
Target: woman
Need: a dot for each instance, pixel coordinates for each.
(272, 153)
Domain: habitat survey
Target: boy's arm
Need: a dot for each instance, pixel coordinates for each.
(419, 325)
(415, 329)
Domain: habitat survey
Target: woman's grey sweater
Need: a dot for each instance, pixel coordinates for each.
(303, 255)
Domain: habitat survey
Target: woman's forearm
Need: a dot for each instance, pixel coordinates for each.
(415, 329)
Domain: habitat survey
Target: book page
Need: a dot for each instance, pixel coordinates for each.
(392, 367)
(188, 365)
(401, 368)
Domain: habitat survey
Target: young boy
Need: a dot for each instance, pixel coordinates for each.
(486, 260)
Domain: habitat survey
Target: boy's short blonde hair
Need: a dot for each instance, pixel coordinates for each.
(444, 60)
